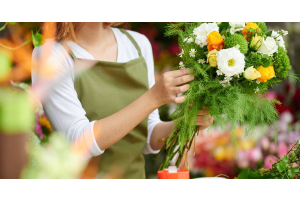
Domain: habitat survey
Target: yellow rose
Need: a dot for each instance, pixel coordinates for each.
(212, 58)
(251, 73)
(250, 25)
(255, 42)
(266, 73)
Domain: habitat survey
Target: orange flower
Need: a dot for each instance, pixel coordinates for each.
(266, 73)
(250, 25)
(215, 41)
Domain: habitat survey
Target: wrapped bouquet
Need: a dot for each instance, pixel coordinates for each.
(234, 64)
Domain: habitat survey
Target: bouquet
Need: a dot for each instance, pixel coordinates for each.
(234, 64)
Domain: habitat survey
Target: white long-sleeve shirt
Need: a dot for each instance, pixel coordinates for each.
(62, 106)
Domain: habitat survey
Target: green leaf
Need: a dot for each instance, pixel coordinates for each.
(265, 62)
(36, 39)
(291, 173)
(296, 169)
(13, 23)
(285, 159)
(244, 174)
(293, 155)
(282, 166)
(5, 66)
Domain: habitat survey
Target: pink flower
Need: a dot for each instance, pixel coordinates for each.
(255, 155)
(265, 143)
(269, 160)
(271, 95)
(242, 160)
(273, 147)
(282, 149)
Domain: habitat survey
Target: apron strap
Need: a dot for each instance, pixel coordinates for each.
(132, 40)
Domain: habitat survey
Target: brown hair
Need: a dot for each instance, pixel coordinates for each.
(68, 30)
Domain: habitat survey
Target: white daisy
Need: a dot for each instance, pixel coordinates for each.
(190, 40)
(219, 73)
(256, 90)
(181, 65)
(201, 61)
(182, 52)
(192, 53)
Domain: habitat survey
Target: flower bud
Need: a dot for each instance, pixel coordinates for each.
(251, 73)
(212, 58)
(255, 42)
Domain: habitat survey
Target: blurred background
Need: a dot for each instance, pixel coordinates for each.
(29, 148)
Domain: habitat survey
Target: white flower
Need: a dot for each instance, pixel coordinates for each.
(201, 61)
(192, 53)
(256, 90)
(182, 52)
(231, 61)
(190, 40)
(201, 41)
(284, 32)
(278, 38)
(219, 73)
(202, 32)
(236, 26)
(205, 28)
(181, 65)
(257, 82)
(268, 46)
(185, 39)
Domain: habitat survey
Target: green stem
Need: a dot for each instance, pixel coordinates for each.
(3, 27)
(14, 48)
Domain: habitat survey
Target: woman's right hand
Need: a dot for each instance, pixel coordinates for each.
(169, 85)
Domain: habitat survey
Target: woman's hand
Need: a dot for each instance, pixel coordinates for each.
(204, 119)
(169, 85)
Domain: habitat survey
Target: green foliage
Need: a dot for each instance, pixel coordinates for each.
(36, 39)
(262, 26)
(282, 64)
(285, 168)
(234, 104)
(237, 39)
(5, 66)
(16, 112)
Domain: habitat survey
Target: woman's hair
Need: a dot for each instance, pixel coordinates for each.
(68, 30)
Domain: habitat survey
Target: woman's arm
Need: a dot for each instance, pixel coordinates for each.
(111, 129)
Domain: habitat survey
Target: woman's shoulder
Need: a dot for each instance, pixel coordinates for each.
(52, 57)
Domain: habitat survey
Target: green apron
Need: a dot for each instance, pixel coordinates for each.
(107, 88)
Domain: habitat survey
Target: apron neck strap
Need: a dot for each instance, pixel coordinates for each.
(132, 40)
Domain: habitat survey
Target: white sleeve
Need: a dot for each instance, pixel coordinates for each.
(62, 106)
(153, 118)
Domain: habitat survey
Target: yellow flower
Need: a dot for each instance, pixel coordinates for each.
(251, 73)
(255, 42)
(215, 41)
(46, 123)
(266, 73)
(212, 58)
(250, 25)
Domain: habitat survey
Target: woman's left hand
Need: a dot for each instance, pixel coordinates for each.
(204, 119)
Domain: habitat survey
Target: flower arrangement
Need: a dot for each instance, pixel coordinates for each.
(234, 64)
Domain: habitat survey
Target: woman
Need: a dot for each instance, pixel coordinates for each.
(115, 102)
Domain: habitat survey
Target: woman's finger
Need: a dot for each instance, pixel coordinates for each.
(178, 73)
(204, 112)
(183, 79)
(181, 89)
(180, 99)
